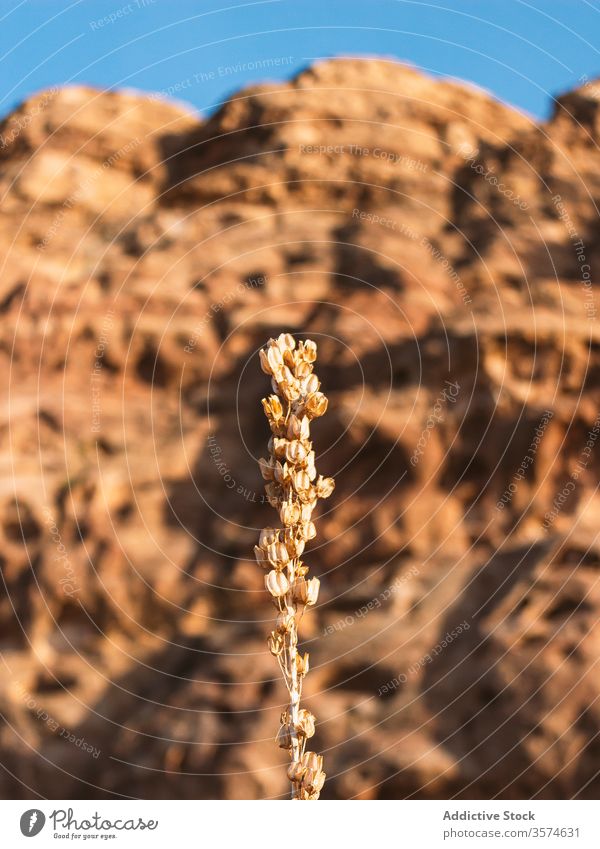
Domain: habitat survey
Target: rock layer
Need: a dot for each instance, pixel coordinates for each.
(439, 247)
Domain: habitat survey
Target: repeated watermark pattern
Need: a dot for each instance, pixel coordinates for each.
(120, 13)
(406, 230)
(390, 156)
(470, 154)
(83, 187)
(68, 581)
(437, 254)
(585, 269)
(216, 454)
(357, 157)
(21, 122)
(561, 498)
(221, 72)
(384, 221)
(423, 661)
(590, 86)
(448, 395)
(373, 604)
(217, 306)
(52, 724)
(97, 369)
(526, 462)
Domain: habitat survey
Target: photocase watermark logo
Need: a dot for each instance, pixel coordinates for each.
(32, 822)
(64, 824)
(448, 394)
(65, 819)
(469, 154)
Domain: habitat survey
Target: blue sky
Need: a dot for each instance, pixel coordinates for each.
(523, 52)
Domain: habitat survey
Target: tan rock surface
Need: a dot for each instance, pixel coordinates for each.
(146, 255)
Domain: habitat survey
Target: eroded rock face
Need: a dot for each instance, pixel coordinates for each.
(438, 246)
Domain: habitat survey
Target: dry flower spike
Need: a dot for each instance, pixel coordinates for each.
(292, 488)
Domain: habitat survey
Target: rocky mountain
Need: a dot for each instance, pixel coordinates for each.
(440, 248)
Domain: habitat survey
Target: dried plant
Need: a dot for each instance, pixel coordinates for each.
(293, 489)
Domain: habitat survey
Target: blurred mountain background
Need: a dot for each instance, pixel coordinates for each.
(439, 246)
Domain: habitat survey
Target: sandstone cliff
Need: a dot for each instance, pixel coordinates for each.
(439, 247)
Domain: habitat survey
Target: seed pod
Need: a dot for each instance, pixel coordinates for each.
(295, 452)
(289, 513)
(282, 472)
(293, 427)
(310, 760)
(307, 496)
(261, 555)
(316, 405)
(282, 552)
(267, 537)
(273, 491)
(306, 723)
(290, 389)
(303, 369)
(267, 469)
(293, 542)
(306, 592)
(272, 407)
(309, 531)
(306, 512)
(275, 359)
(318, 783)
(298, 428)
(284, 737)
(276, 408)
(301, 481)
(310, 350)
(279, 447)
(302, 664)
(284, 622)
(286, 341)
(264, 362)
(308, 778)
(277, 583)
(314, 586)
(276, 643)
(278, 554)
(324, 486)
(310, 384)
(310, 465)
(295, 771)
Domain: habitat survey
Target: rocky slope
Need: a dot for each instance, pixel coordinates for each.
(440, 248)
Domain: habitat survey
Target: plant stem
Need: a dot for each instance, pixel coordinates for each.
(293, 489)
(294, 690)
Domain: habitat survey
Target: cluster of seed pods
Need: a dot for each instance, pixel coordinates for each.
(293, 489)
